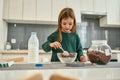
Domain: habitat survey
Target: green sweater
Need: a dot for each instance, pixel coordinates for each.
(70, 42)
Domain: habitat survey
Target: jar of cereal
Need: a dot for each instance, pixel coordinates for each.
(99, 52)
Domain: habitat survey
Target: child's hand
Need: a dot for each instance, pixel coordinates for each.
(83, 59)
(55, 45)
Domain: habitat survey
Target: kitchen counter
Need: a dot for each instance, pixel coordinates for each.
(88, 71)
(9, 54)
(115, 51)
(43, 54)
(19, 51)
(58, 65)
(40, 51)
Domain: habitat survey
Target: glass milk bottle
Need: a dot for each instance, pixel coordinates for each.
(99, 52)
(33, 48)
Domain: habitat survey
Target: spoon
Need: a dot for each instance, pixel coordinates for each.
(64, 52)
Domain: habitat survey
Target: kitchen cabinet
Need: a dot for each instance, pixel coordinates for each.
(5, 9)
(86, 5)
(57, 6)
(75, 5)
(3, 27)
(93, 5)
(29, 10)
(12, 10)
(113, 14)
(100, 5)
(44, 11)
(38, 11)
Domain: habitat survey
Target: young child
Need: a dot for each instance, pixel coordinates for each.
(65, 36)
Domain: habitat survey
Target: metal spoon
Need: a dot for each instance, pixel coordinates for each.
(64, 52)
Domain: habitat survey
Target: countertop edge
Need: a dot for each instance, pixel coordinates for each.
(40, 51)
(20, 52)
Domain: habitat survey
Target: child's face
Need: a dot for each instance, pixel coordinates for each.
(67, 24)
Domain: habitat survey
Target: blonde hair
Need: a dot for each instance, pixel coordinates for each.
(65, 13)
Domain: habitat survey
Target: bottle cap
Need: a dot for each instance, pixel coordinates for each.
(33, 33)
(38, 65)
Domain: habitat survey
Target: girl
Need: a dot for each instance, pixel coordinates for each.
(65, 36)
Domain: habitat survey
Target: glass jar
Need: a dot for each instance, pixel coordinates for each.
(8, 46)
(99, 52)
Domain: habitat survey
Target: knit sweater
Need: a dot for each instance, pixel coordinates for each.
(70, 42)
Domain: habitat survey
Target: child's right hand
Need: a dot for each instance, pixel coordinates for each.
(55, 45)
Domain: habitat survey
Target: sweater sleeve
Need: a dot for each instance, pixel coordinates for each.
(78, 47)
(46, 46)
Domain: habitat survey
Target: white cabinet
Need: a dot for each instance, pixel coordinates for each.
(113, 14)
(12, 9)
(3, 27)
(43, 10)
(75, 5)
(100, 5)
(93, 5)
(29, 9)
(57, 6)
(37, 10)
(86, 5)
(5, 9)
(113, 9)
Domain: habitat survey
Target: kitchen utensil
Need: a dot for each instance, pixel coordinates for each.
(64, 52)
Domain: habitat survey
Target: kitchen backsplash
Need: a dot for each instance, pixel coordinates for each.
(22, 32)
(91, 30)
(88, 30)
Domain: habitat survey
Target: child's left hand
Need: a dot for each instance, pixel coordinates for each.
(83, 59)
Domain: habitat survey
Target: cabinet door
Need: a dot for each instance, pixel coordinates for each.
(86, 5)
(57, 6)
(5, 9)
(100, 5)
(113, 14)
(43, 10)
(113, 9)
(75, 5)
(15, 9)
(29, 9)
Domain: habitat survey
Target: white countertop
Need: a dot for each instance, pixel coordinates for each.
(115, 51)
(20, 51)
(81, 73)
(40, 51)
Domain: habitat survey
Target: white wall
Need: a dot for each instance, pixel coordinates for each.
(3, 28)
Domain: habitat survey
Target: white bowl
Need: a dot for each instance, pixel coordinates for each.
(67, 58)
